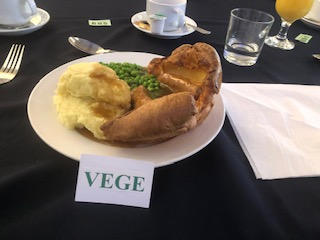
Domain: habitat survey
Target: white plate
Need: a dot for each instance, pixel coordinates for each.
(142, 16)
(71, 143)
(311, 23)
(36, 22)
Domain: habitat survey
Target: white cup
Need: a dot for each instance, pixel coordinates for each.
(314, 13)
(16, 12)
(173, 10)
(157, 23)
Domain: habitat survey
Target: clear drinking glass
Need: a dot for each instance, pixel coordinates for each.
(246, 33)
(289, 11)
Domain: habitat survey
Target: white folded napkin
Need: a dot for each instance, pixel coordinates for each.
(278, 127)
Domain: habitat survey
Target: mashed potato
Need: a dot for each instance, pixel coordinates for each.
(90, 94)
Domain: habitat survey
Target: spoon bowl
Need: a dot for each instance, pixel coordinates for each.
(317, 56)
(87, 46)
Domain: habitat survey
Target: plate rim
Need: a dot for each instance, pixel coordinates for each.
(69, 155)
(310, 23)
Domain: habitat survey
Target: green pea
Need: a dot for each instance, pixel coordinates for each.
(134, 75)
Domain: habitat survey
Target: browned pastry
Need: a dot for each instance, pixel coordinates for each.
(177, 84)
(139, 96)
(154, 121)
(194, 74)
(193, 68)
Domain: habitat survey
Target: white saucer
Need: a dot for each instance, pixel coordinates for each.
(311, 23)
(35, 23)
(142, 16)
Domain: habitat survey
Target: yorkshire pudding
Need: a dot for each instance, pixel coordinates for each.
(194, 74)
(191, 68)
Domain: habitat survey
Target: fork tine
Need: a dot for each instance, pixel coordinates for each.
(11, 61)
(8, 58)
(11, 68)
(15, 70)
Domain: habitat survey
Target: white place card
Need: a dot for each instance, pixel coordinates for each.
(104, 179)
(100, 23)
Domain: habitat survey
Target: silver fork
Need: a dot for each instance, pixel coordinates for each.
(12, 63)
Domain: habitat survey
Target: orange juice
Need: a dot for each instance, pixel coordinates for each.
(291, 10)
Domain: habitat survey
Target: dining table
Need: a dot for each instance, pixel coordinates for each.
(210, 194)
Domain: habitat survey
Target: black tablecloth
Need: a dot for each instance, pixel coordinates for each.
(212, 194)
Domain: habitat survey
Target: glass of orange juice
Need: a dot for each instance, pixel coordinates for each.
(289, 11)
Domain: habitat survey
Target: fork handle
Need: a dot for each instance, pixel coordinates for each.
(199, 29)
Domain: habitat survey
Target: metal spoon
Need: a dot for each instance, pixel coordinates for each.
(198, 29)
(317, 56)
(87, 46)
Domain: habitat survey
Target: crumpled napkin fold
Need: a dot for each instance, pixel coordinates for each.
(277, 126)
